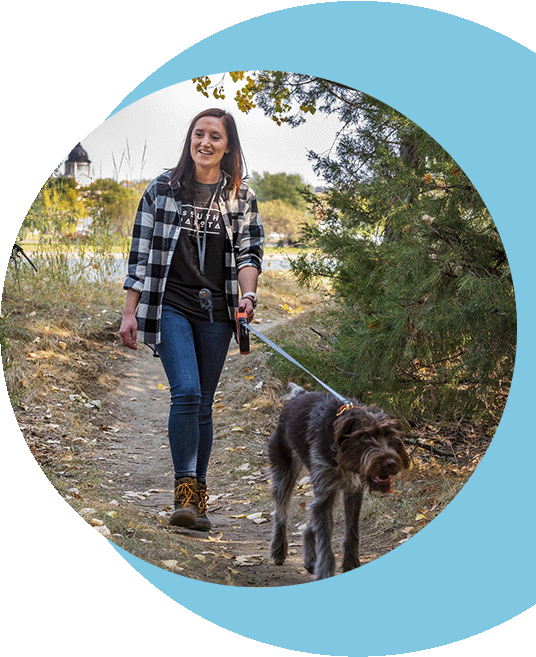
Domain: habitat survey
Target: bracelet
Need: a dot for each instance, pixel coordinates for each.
(252, 296)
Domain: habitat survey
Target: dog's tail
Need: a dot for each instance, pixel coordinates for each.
(294, 390)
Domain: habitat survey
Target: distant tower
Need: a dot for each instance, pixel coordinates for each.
(77, 165)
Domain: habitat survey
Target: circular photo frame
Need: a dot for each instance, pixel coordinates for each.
(467, 87)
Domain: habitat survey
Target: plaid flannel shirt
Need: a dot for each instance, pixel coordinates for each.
(154, 237)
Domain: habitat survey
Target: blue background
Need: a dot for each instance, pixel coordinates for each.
(473, 90)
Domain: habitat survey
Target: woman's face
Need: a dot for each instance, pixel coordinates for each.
(208, 145)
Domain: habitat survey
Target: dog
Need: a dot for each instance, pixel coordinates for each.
(348, 447)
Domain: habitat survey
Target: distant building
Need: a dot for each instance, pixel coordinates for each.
(77, 166)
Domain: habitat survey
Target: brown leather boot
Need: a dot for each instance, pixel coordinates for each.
(203, 523)
(186, 503)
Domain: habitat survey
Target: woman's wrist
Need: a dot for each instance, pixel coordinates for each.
(252, 296)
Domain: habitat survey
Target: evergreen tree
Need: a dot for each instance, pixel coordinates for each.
(427, 319)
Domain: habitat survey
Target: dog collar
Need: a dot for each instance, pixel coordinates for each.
(344, 408)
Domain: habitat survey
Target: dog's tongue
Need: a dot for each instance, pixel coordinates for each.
(381, 481)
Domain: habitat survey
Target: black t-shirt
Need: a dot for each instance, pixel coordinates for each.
(184, 278)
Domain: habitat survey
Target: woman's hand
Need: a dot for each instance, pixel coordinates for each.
(129, 331)
(246, 304)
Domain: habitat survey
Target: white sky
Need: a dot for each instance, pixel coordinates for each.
(162, 120)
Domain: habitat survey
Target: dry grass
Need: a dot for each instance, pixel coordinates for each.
(53, 323)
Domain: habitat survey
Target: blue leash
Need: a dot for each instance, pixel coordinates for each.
(295, 362)
(205, 298)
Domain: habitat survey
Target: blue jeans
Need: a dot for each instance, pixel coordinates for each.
(193, 353)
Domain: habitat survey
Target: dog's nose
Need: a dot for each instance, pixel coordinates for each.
(390, 465)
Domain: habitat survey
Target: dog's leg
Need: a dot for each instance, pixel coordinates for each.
(325, 492)
(352, 508)
(284, 472)
(309, 548)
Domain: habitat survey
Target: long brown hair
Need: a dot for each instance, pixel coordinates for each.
(232, 162)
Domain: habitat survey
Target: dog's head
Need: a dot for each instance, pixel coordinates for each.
(369, 442)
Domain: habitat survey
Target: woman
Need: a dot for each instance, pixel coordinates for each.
(197, 229)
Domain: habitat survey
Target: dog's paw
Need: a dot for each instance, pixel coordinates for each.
(278, 557)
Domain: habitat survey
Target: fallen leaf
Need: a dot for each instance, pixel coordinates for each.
(234, 572)
(104, 530)
(62, 344)
(248, 560)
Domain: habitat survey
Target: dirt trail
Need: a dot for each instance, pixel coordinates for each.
(140, 463)
(111, 461)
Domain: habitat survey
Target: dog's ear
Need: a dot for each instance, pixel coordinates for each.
(344, 426)
(396, 428)
(399, 446)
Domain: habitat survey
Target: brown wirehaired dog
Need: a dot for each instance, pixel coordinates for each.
(346, 447)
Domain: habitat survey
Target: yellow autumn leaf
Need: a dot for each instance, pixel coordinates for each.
(62, 344)
(112, 514)
(285, 306)
(420, 516)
